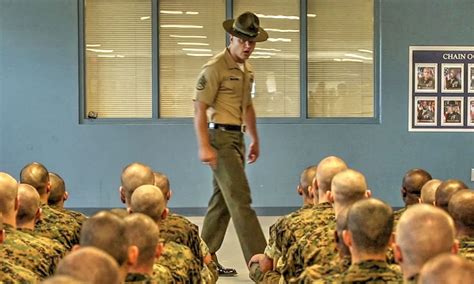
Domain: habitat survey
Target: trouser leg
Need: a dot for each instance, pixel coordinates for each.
(233, 184)
(216, 220)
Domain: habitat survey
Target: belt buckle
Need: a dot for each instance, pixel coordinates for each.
(243, 128)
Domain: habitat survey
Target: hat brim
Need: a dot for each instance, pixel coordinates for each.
(228, 27)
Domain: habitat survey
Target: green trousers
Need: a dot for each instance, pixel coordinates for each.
(231, 197)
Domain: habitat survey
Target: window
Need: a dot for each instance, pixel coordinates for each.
(318, 66)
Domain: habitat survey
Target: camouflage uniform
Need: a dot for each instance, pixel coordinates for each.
(396, 216)
(181, 262)
(161, 274)
(311, 241)
(368, 271)
(317, 272)
(78, 216)
(24, 250)
(58, 226)
(11, 273)
(209, 271)
(180, 230)
(466, 248)
(139, 278)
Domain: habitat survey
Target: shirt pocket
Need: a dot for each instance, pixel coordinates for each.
(230, 85)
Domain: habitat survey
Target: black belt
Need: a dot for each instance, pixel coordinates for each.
(227, 127)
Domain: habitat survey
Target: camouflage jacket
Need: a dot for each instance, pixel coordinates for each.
(369, 271)
(12, 273)
(162, 274)
(181, 262)
(139, 278)
(272, 251)
(318, 272)
(24, 250)
(466, 248)
(58, 226)
(78, 216)
(180, 230)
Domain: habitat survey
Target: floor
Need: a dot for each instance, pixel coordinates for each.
(230, 255)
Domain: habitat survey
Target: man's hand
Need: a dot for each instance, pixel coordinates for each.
(254, 152)
(208, 156)
(264, 262)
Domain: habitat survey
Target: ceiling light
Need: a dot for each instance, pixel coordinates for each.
(199, 54)
(365, 50)
(278, 17)
(171, 12)
(191, 13)
(92, 45)
(192, 43)
(271, 39)
(100, 50)
(282, 31)
(267, 49)
(144, 18)
(196, 49)
(182, 26)
(186, 36)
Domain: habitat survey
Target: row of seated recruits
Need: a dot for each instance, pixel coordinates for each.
(340, 235)
(142, 243)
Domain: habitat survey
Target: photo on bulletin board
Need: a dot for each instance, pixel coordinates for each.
(452, 78)
(452, 111)
(425, 111)
(425, 77)
(470, 110)
(470, 86)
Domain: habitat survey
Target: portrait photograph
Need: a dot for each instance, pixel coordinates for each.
(425, 77)
(470, 86)
(470, 109)
(452, 111)
(425, 111)
(452, 78)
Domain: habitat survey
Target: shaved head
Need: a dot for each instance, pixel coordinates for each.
(36, 175)
(148, 200)
(445, 190)
(461, 208)
(306, 178)
(8, 193)
(348, 187)
(106, 231)
(370, 222)
(143, 232)
(428, 191)
(163, 183)
(58, 188)
(447, 269)
(423, 232)
(327, 169)
(135, 175)
(29, 204)
(412, 183)
(90, 265)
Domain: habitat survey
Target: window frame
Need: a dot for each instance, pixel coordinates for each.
(302, 119)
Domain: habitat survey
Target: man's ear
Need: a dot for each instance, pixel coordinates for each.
(330, 196)
(65, 196)
(129, 210)
(48, 187)
(455, 247)
(165, 213)
(38, 214)
(75, 247)
(403, 191)
(347, 238)
(299, 190)
(397, 253)
(159, 250)
(419, 200)
(169, 194)
(368, 193)
(133, 253)
(17, 203)
(122, 194)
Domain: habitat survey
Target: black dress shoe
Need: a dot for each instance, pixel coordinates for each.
(225, 271)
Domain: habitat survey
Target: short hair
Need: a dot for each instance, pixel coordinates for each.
(348, 187)
(36, 175)
(58, 188)
(90, 265)
(119, 212)
(370, 222)
(106, 231)
(62, 279)
(135, 175)
(461, 208)
(424, 231)
(143, 232)
(445, 190)
(8, 193)
(306, 178)
(428, 191)
(163, 183)
(29, 203)
(447, 269)
(327, 169)
(148, 200)
(412, 182)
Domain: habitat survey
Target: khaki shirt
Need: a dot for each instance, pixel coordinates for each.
(225, 88)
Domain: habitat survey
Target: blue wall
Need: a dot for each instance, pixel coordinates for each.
(39, 106)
